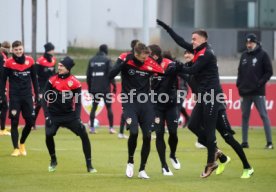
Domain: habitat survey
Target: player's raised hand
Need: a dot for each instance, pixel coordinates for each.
(162, 24)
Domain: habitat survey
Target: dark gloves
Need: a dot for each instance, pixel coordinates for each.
(174, 68)
(48, 122)
(162, 24)
(171, 70)
(178, 65)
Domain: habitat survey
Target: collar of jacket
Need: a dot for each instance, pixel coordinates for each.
(256, 50)
(202, 46)
(101, 53)
(48, 57)
(137, 62)
(64, 76)
(19, 60)
(159, 60)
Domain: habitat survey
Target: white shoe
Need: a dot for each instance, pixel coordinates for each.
(112, 131)
(143, 175)
(122, 136)
(5, 132)
(167, 173)
(130, 170)
(199, 145)
(175, 163)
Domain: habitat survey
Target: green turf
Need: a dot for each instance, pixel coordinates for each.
(82, 56)
(79, 51)
(30, 174)
(81, 66)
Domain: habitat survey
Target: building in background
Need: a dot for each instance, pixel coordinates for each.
(227, 22)
(80, 23)
(113, 22)
(10, 14)
(89, 23)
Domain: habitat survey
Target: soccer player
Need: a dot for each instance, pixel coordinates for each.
(188, 57)
(45, 68)
(20, 71)
(4, 54)
(99, 85)
(121, 134)
(136, 69)
(183, 88)
(223, 127)
(62, 108)
(205, 71)
(165, 110)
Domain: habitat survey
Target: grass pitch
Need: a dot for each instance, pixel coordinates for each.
(30, 174)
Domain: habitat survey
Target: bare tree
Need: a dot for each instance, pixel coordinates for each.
(47, 21)
(34, 24)
(22, 21)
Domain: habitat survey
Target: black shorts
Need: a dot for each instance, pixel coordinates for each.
(74, 125)
(142, 114)
(21, 103)
(222, 123)
(167, 116)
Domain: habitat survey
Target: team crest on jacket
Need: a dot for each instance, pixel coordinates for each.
(27, 62)
(131, 72)
(149, 68)
(13, 112)
(254, 61)
(70, 83)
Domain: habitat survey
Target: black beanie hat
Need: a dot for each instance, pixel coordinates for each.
(103, 48)
(67, 62)
(251, 37)
(49, 47)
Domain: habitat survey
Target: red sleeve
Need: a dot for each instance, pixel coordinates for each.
(30, 59)
(123, 55)
(7, 63)
(75, 83)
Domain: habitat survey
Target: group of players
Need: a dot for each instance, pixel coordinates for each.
(143, 69)
(26, 77)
